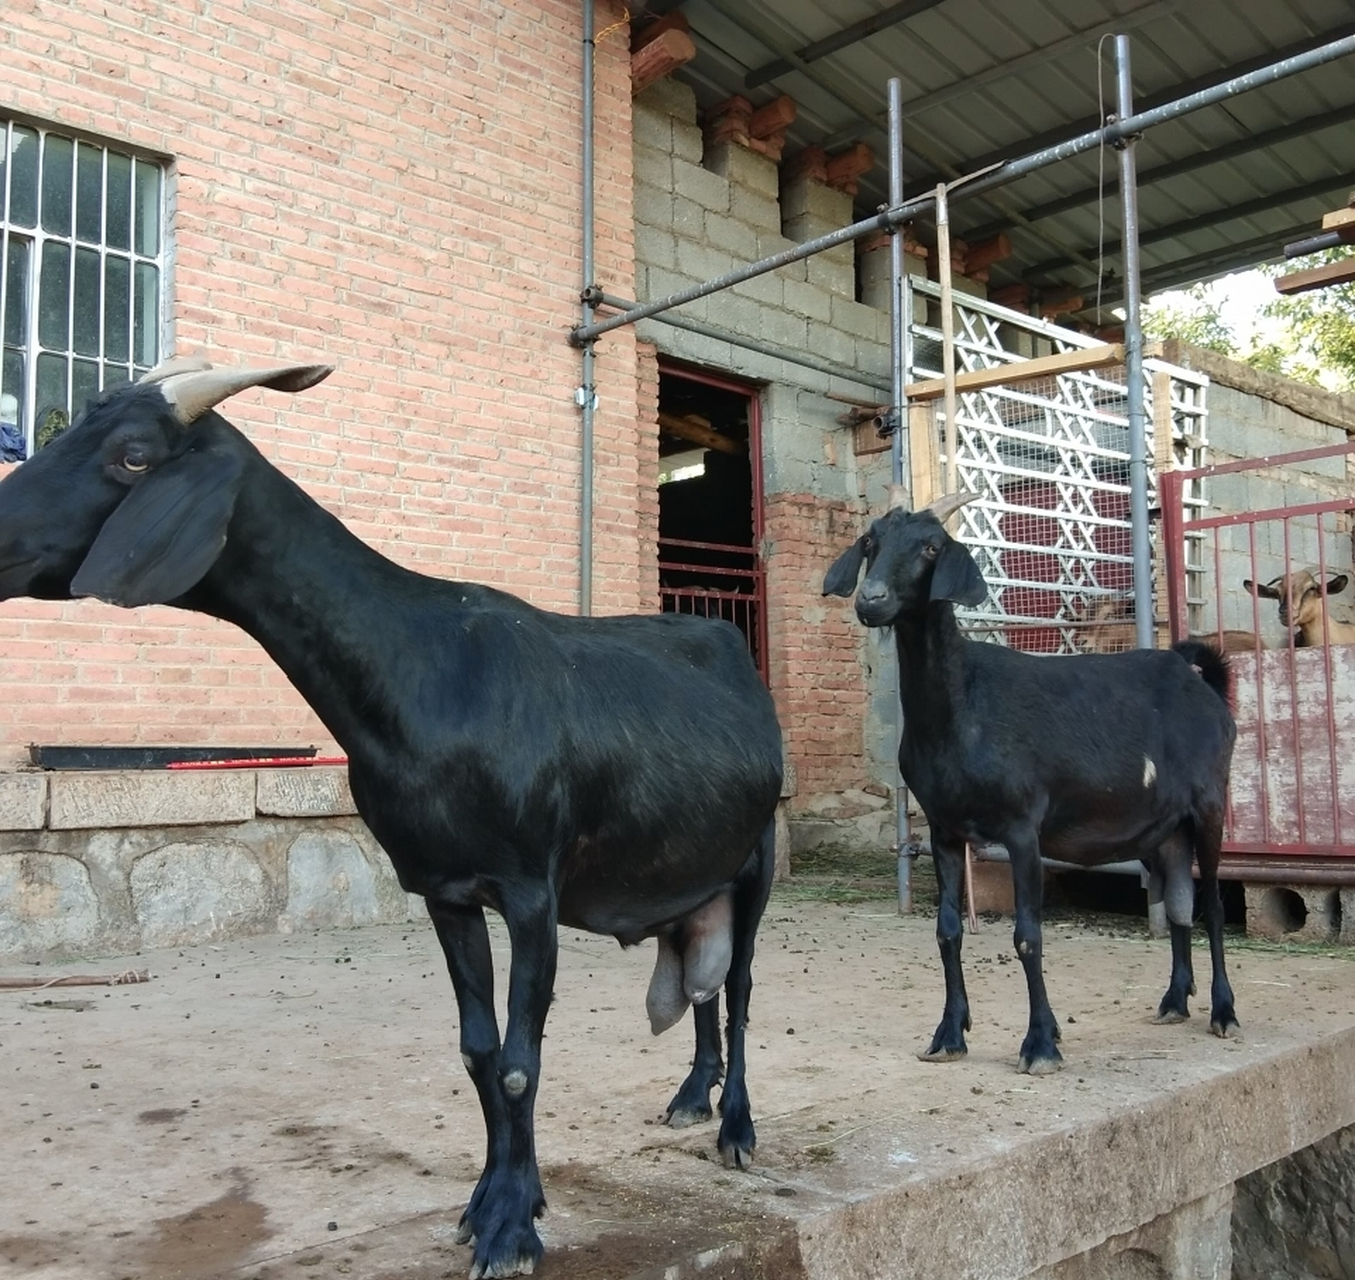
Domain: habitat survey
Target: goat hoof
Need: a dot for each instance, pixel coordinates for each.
(1224, 1027)
(465, 1233)
(1169, 1017)
(685, 1117)
(943, 1055)
(736, 1157)
(1041, 1066)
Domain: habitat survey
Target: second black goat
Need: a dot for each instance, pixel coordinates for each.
(1088, 759)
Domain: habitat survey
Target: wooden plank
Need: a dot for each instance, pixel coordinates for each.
(924, 455)
(1022, 371)
(698, 434)
(1339, 272)
(1338, 219)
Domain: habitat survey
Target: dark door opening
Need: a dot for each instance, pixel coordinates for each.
(710, 503)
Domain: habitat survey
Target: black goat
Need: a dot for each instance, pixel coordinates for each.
(615, 774)
(1088, 759)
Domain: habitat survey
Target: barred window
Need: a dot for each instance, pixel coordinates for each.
(81, 270)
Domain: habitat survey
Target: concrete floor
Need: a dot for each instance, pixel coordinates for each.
(295, 1106)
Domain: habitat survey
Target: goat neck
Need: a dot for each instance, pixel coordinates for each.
(312, 593)
(931, 653)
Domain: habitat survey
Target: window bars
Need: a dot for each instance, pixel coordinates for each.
(81, 271)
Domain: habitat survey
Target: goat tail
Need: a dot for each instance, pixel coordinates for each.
(1210, 662)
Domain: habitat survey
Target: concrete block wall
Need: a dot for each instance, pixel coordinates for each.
(392, 189)
(699, 213)
(105, 863)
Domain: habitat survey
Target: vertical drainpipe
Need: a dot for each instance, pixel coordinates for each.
(586, 396)
(900, 362)
(1133, 359)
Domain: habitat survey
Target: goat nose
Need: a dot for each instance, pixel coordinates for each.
(872, 590)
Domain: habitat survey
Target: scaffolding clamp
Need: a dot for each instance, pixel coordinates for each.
(886, 423)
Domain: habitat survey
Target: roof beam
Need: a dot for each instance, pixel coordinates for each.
(745, 17)
(1173, 169)
(1212, 262)
(1076, 128)
(1034, 58)
(839, 40)
(1227, 213)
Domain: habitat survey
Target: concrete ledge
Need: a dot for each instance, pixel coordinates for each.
(85, 801)
(304, 793)
(23, 801)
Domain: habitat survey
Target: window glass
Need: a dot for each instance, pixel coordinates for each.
(117, 304)
(118, 222)
(23, 166)
(54, 310)
(58, 159)
(85, 306)
(89, 192)
(16, 291)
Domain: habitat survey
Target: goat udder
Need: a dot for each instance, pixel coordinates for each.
(695, 973)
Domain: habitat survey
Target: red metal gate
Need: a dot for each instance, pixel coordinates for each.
(1292, 793)
(717, 581)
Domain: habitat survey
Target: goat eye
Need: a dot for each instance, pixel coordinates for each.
(930, 550)
(135, 465)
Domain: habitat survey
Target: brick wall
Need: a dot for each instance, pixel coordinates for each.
(815, 645)
(395, 189)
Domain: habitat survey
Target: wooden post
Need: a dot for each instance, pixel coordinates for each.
(951, 436)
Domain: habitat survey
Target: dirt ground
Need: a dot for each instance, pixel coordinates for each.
(292, 1106)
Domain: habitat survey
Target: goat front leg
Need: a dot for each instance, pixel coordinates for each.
(1174, 861)
(506, 1241)
(1208, 847)
(465, 943)
(948, 1043)
(1039, 1050)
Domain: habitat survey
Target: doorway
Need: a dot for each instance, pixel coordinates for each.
(710, 502)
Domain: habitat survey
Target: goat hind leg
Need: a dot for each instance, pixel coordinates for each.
(948, 1043)
(1179, 897)
(1222, 1016)
(691, 1103)
(1039, 1050)
(738, 1138)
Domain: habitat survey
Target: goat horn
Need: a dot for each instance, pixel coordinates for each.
(944, 508)
(898, 498)
(175, 365)
(195, 387)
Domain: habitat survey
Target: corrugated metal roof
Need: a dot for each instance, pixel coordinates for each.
(1220, 189)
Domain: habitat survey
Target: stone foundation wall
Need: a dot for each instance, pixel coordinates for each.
(103, 863)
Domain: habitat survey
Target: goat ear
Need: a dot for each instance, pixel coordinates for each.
(840, 580)
(1262, 589)
(1337, 584)
(956, 576)
(166, 533)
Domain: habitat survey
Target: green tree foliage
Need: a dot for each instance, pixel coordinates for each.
(1313, 342)
(1196, 319)
(1321, 324)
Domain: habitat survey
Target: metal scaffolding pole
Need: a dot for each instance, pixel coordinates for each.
(900, 365)
(999, 176)
(1133, 359)
(586, 395)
